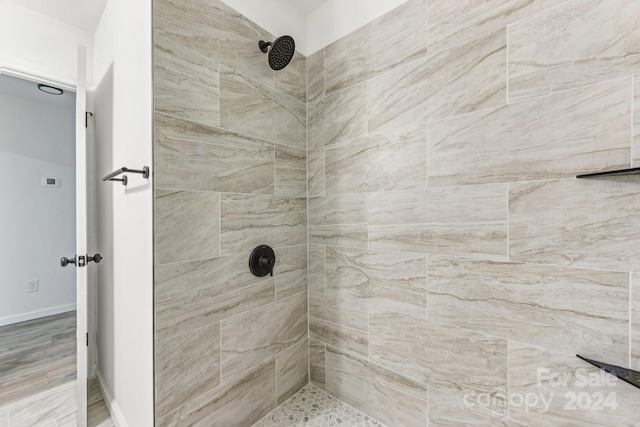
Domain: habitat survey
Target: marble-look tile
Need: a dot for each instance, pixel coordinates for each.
(291, 171)
(185, 83)
(450, 411)
(455, 81)
(292, 80)
(216, 31)
(338, 220)
(386, 396)
(397, 37)
(317, 265)
(635, 321)
(253, 108)
(454, 22)
(377, 163)
(189, 156)
(458, 361)
(560, 381)
(193, 294)
(315, 76)
(248, 221)
(340, 322)
(587, 223)
(558, 136)
(290, 271)
(385, 281)
(565, 309)
(341, 116)
(465, 221)
(292, 370)
(579, 43)
(186, 225)
(636, 122)
(315, 171)
(4, 418)
(41, 409)
(256, 335)
(317, 351)
(186, 366)
(239, 401)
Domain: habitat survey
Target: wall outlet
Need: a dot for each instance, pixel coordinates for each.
(33, 286)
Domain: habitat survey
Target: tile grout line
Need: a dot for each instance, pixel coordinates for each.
(630, 318)
(632, 121)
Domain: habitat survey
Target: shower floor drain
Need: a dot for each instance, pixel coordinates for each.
(313, 407)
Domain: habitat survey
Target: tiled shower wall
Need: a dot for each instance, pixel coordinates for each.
(230, 174)
(453, 256)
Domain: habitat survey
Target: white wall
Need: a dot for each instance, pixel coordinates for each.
(123, 107)
(38, 45)
(37, 224)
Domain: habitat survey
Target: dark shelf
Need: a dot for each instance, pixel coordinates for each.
(619, 172)
(627, 375)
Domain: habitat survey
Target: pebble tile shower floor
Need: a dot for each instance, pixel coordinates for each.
(313, 407)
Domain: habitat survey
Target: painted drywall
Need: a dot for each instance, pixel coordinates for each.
(37, 45)
(332, 20)
(37, 224)
(123, 131)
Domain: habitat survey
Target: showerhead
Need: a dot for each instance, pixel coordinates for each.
(281, 52)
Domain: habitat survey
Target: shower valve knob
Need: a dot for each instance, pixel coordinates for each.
(262, 261)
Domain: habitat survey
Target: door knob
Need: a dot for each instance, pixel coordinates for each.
(64, 261)
(96, 258)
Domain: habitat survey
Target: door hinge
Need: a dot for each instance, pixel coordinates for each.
(86, 118)
(87, 339)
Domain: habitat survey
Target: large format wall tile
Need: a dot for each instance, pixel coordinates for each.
(317, 363)
(254, 108)
(291, 172)
(560, 381)
(292, 80)
(256, 335)
(317, 266)
(558, 136)
(190, 156)
(185, 83)
(388, 397)
(583, 223)
(239, 401)
(393, 39)
(449, 411)
(341, 116)
(290, 270)
(454, 22)
(186, 366)
(315, 172)
(248, 221)
(216, 31)
(566, 309)
(338, 220)
(292, 366)
(385, 281)
(462, 220)
(635, 321)
(340, 322)
(193, 294)
(459, 361)
(636, 121)
(186, 226)
(315, 76)
(455, 81)
(577, 44)
(377, 163)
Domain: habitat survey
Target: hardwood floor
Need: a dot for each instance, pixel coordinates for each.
(37, 355)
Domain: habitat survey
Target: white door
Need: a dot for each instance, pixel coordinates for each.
(81, 235)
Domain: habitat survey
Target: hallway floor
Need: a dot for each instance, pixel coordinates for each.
(313, 407)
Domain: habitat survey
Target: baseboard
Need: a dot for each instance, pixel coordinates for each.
(23, 317)
(112, 406)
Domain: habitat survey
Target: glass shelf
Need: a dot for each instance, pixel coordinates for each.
(619, 172)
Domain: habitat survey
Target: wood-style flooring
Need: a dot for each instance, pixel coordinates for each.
(37, 355)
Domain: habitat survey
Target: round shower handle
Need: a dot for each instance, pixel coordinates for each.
(262, 261)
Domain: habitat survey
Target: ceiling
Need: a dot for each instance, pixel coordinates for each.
(83, 14)
(306, 6)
